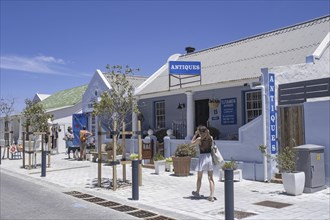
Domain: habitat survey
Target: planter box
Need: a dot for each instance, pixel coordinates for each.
(293, 183)
(181, 166)
(159, 167)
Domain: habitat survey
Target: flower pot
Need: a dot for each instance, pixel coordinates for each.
(159, 167)
(293, 183)
(181, 166)
(169, 166)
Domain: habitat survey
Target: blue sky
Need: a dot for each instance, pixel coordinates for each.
(48, 46)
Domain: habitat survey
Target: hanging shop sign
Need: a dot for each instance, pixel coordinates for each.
(185, 67)
(272, 113)
(229, 111)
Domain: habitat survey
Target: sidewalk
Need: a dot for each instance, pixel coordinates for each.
(170, 196)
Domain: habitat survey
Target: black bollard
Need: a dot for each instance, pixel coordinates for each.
(43, 158)
(43, 163)
(229, 194)
(135, 179)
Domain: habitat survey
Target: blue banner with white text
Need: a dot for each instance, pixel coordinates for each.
(185, 67)
(272, 113)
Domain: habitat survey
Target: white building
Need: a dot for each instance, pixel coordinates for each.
(229, 74)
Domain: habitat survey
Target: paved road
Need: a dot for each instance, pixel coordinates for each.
(22, 199)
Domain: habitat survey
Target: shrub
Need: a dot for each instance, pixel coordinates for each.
(158, 156)
(230, 165)
(185, 150)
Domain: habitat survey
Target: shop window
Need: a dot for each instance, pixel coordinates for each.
(160, 114)
(253, 105)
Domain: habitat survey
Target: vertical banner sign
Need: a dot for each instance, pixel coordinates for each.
(272, 113)
(78, 122)
(228, 111)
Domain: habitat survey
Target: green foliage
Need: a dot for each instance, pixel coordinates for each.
(36, 117)
(158, 156)
(263, 148)
(169, 160)
(232, 164)
(185, 150)
(117, 104)
(286, 160)
(160, 134)
(134, 156)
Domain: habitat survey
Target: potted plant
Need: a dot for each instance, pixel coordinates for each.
(181, 161)
(231, 165)
(169, 164)
(293, 181)
(159, 161)
(214, 103)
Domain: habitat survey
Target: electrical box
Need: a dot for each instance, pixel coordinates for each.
(310, 159)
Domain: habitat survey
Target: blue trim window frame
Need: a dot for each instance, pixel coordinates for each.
(159, 107)
(253, 105)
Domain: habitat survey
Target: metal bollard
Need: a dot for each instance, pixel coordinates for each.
(229, 194)
(43, 163)
(135, 179)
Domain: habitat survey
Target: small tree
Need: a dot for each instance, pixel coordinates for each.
(6, 108)
(36, 118)
(118, 103)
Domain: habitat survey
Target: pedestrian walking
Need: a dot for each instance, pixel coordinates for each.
(204, 140)
(83, 136)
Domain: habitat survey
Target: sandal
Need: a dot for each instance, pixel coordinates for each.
(210, 198)
(195, 193)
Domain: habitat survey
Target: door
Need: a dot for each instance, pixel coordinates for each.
(201, 112)
(291, 125)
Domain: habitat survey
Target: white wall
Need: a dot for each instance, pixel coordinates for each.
(245, 150)
(317, 128)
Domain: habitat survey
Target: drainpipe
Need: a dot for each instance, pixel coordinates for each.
(263, 93)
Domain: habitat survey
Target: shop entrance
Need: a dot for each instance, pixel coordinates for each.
(201, 112)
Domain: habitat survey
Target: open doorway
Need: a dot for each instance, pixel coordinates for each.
(201, 112)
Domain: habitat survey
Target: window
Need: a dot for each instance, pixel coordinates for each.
(253, 105)
(160, 114)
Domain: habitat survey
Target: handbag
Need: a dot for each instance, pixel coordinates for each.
(217, 158)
